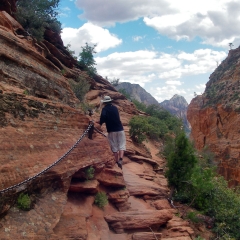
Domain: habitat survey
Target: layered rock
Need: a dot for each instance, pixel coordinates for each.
(215, 117)
(43, 141)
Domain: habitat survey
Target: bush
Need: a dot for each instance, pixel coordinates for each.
(140, 106)
(198, 184)
(124, 93)
(89, 172)
(101, 199)
(138, 128)
(80, 88)
(193, 217)
(156, 126)
(35, 16)
(24, 202)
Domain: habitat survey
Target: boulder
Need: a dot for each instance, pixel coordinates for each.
(138, 219)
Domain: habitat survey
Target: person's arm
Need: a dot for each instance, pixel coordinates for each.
(102, 117)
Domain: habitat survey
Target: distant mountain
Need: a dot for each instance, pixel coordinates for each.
(137, 92)
(177, 105)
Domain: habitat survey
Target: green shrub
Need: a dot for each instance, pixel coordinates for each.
(80, 88)
(101, 199)
(35, 16)
(140, 106)
(199, 185)
(138, 128)
(156, 126)
(199, 238)
(24, 202)
(193, 217)
(89, 172)
(124, 93)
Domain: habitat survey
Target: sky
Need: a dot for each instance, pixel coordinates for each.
(166, 46)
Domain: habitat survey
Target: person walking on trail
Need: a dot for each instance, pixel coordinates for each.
(116, 136)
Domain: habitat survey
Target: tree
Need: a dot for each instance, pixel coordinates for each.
(181, 161)
(71, 52)
(114, 82)
(230, 45)
(87, 60)
(36, 15)
(125, 93)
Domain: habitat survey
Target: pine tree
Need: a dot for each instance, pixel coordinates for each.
(36, 15)
(181, 161)
(86, 59)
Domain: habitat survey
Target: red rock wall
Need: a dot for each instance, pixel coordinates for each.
(39, 122)
(215, 119)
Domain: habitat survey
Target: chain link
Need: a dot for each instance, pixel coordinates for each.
(52, 165)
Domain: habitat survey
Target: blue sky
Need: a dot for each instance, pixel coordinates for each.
(166, 46)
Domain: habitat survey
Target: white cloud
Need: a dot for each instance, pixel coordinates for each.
(137, 38)
(91, 34)
(169, 82)
(166, 92)
(107, 13)
(217, 22)
(165, 71)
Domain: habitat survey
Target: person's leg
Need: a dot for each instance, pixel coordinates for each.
(122, 145)
(121, 154)
(116, 156)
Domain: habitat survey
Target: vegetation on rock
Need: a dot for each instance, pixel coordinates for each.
(101, 199)
(24, 202)
(80, 87)
(159, 123)
(89, 172)
(86, 59)
(198, 184)
(35, 16)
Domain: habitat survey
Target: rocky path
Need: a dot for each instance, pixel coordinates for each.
(138, 208)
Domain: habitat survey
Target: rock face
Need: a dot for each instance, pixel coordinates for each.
(137, 92)
(215, 117)
(45, 152)
(178, 106)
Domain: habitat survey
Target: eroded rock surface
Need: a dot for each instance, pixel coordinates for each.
(40, 123)
(215, 117)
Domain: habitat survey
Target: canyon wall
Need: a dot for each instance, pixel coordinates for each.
(215, 117)
(44, 152)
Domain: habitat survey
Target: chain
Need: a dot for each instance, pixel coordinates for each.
(52, 165)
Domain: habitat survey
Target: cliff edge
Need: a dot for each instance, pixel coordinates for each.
(215, 117)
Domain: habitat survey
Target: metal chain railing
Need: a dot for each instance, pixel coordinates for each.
(52, 165)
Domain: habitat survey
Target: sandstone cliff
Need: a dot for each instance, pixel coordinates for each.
(215, 117)
(40, 121)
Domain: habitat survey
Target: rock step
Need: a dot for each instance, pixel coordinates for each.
(146, 236)
(121, 221)
(90, 186)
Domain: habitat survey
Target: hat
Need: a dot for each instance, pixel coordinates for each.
(106, 99)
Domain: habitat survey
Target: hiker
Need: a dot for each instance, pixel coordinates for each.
(116, 136)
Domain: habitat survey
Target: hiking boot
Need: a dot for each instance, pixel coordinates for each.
(119, 163)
